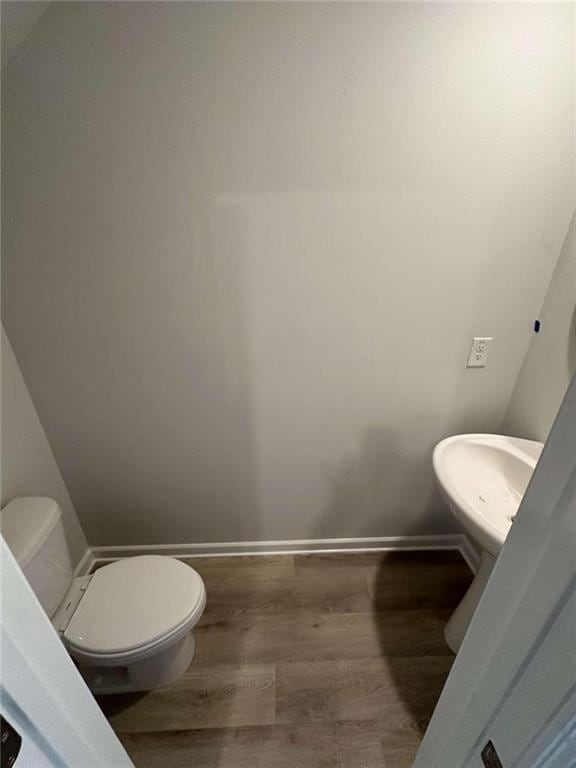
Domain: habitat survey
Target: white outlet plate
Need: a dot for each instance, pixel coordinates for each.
(479, 351)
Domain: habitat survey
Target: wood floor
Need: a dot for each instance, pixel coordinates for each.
(307, 661)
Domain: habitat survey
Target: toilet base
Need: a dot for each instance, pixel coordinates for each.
(160, 669)
(458, 623)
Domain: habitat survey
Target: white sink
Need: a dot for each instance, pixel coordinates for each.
(483, 478)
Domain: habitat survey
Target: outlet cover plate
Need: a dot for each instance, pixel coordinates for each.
(479, 351)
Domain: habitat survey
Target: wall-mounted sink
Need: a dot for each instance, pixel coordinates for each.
(483, 478)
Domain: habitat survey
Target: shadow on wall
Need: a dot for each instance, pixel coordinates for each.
(384, 481)
(160, 384)
(218, 487)
(571, 346)
(571, 341)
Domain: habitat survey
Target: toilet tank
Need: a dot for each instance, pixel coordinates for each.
(32, 528)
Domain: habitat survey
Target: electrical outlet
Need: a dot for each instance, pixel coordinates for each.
(479, 352)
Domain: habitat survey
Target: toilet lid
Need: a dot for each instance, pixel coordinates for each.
(134, 602)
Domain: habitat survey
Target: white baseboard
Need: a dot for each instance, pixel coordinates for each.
(457, 542)
(469, 553)
(86, 563)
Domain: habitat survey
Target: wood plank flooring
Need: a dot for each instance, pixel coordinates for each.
(304, 661)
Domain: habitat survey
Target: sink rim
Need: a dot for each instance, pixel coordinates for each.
(483, 530)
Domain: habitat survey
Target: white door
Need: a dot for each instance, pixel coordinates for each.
(514, 681)
(42, 696)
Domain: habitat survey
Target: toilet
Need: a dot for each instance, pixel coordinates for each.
(128, 626)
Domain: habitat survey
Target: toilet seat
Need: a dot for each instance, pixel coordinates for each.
(133, 607)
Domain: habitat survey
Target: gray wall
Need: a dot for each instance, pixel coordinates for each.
(28, 464)
(551, 359)
(17, 19)
(246, 247)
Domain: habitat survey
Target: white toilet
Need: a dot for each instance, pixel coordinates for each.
(129, 625)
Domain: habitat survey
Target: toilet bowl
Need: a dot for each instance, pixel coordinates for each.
(131, 629)
(128, 626)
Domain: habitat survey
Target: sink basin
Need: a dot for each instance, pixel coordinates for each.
(483, 478)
